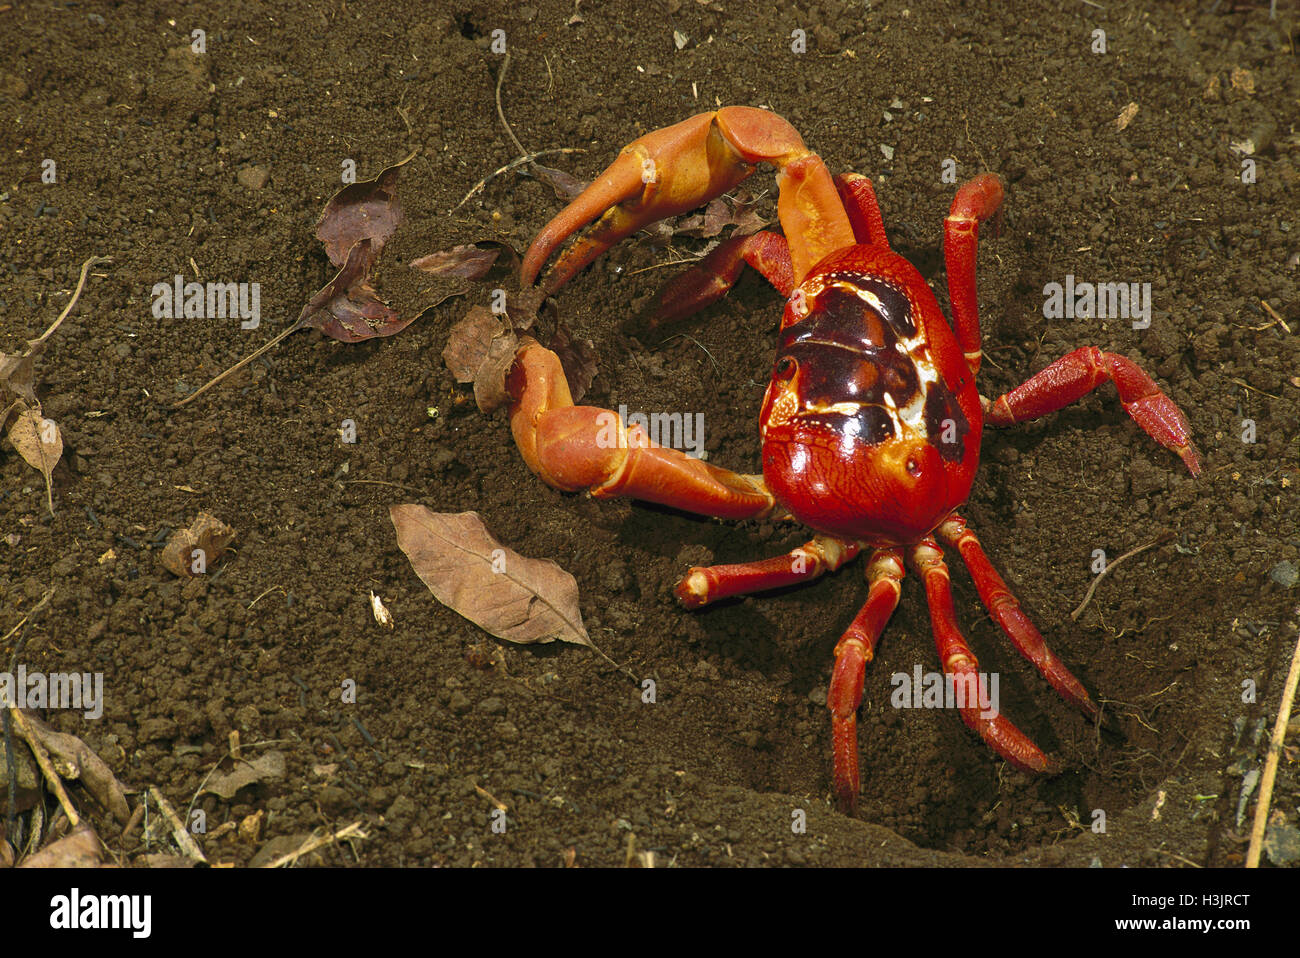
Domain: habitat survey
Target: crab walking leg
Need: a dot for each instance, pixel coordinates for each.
(680, 167)
(854, 650)
(704, 584)
(976, 200)
(1006, 611)
(712, 277)
(1075, 375)
(864, 211)
(584, 447)
(960, 664)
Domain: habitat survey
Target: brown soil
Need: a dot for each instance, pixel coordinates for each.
(150, 141)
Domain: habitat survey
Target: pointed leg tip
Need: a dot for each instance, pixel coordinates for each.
(1192, 458)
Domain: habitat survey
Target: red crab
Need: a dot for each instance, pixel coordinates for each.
(871, 424)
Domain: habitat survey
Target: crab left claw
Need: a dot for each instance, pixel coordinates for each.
(681, 167)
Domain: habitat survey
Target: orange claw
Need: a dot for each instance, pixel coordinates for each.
(585, 447)
(676, 169)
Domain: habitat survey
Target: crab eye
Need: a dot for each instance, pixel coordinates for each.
(785, 367)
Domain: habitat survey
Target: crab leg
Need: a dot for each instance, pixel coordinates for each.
(976, 200)
(1075, 375)
(680, 167)
(585, 447)
(704, 584)
(863, 209)
(712, 277)
(960, 664)
(854, 650)
(1006, 611)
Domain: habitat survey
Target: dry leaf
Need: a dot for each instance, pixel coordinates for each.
(467, 262)
(81, 849)
(267, 767)
(577, 358)
(38, 441)
(18, 374)
(1126, 116)
(207, 534)
(513, 597)
(74, 759)
(565, 185)
(490, 380)
(467, 344)
(359, 212)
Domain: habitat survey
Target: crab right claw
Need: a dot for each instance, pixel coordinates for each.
(681, 167)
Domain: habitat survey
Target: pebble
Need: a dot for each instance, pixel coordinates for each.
(253, 177)
(1285, 574)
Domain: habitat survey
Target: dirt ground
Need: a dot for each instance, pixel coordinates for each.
(215, 165)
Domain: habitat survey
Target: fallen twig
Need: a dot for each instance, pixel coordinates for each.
(1074, 616)
(512, 165)
(76, 295)
(47, 769)
(179, 831)
(1270, 763)
(349, 831)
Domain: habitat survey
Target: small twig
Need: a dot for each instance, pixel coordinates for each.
(349, 831)
(512, 165)
(238, 366)
(697, 343)
(81, 283)
(1276, 318)
(1074, 616)
(43, 760)
(264, 595)
(484, 793)
(1180, 858)
(1246, 385)
(179, 831)
(501, 78)
(1270, 764)
(36, 608)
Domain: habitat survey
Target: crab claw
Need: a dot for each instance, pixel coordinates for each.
(681, 167)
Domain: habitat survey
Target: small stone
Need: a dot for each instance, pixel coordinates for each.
(459, 702)
(492, 706)
(253, 177)
(1285, 574)
(887, 151)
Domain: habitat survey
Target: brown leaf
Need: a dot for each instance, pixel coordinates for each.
(468, 262)
(359, 212)
(490, 379)
(512, 597)
(737, 211)
(577, 357)
(265, 768)
(39, 442)
(18, 374)
(467, 344)
(74, 759)
(81, 849)
(207, 534)
(565, 185)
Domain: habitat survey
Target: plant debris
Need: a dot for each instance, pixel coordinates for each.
(189, 552)
(512, 597)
